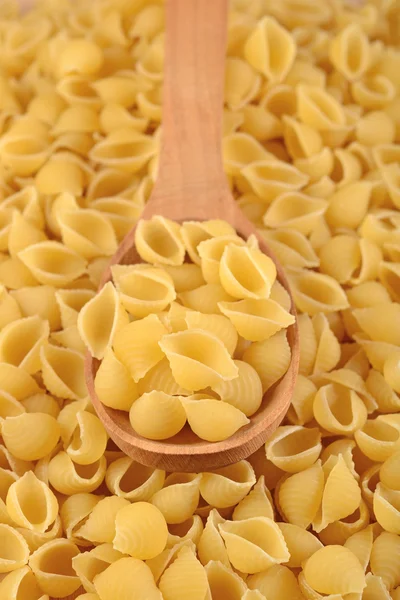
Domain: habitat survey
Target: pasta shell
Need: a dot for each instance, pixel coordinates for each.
(240, 149)
(211, 252)
(157, 416)
(334, 570)
(23, 154)
(22, 233)
(270, 178)
(378, 439)
(188, 531)
(138, 345)
(124, 149)
(14, 551)
(291, 247)
(386, 506)
(89, 439)
(7, 478)
(132, 481)
(350, 53)
(179, 497)
(261, 49)
(277, 580)
(384, 562)
(319, 109)
(259, 268)
(360, 544)
(217, 325)
(301, 409)
(195, 232)
(293, 448)
(315, 292)
(223, 582)
(88, 233)
(30, 436)
(70, 303)
(345, 447)
(145, 290)
(301, 544)
(125, 577)
(375, 588)
(89, 565)
(140, 531)
(113, 383)
(389, 473)
(57, 577)
(160, 378)
(300, 496)
(301, 140)
(328, 348)
(74, 512)
(338, 531)
(254, 544)
(195, 370)
(185, 277)
(18, 582)
(227, 486)
(43, 505)
(9, 308)
(205, 298)
(52, 263)
(368, 481)
(21, 340)
(242, 83)
(99, 526)
(351, 380)
(63, 372)
(278, 352)
(211, 546)
(333, 508)
(257, 503)
(158, 241)
(339, 410)
(295, 211)
(38, 301)
(68, 478)
(12, 463)
(184, 576)
(256, 319)
(17, 382)
(337, 215)
(244, 392)
(373, 92)
(212, 420)
(162, 561)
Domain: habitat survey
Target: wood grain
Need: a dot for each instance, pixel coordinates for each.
(191, 185)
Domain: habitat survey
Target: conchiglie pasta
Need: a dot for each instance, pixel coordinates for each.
(30, 436)
(14, 551)
(52, 567)
(184, 576)
(270, 178)
(211, 546)
(70, 478)
(227, 486)
(278, 350)
(52, 263)
(132, 481)
(179, 497)
(157, 416)
(346, 578)
(63, 372)
(298, 497)
(257, 503)
(87, 232)
(244, 392)
(125, 577)
(21, 340)
(158, 241)
(17, 583)
(200, 412)
(31, 504)
(89, 565)
(293, 448)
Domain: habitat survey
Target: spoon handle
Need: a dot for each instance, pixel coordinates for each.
(190, 168)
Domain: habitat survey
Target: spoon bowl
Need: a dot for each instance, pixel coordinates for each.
(191, 186)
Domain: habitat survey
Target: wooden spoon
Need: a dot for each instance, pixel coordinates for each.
(191, 185)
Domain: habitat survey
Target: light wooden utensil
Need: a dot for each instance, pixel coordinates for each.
(191, 185)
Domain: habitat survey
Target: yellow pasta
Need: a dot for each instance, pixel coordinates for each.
(30, 436)
(62, 371)
(31, 504)
(140, 531)
(277, 348)
(14, 551)
(256, 319)
(227, 486)
(293, 448)
(244, 392)
(158, 241)
(185, 575)
(52, 263)
(52, 566)
(272, 177)
(34, 332)
(125, 577)
(179, 497)
(201, 410)
(211, 546)
(157, 416)
(19, 582)
(70, 478)
(132, 481)
(89, 565)
(347, 577)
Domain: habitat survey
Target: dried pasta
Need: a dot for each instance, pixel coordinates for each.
(197, 328)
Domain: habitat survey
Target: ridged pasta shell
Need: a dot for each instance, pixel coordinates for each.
(63, 372)
(301, 140)
(211, 546)
(185, 277)
(300, 495)
(52, 263)
(11, 463)
(68, 478)
(158, 564)
(301, 544)
(70, 303)
(315, 292)
(348, 378)
(227, 486)
(89, 565)
(379, 438)
(270, 369)
(9, 406)
(333, 506)
(293, 448)
(384, 562)
(158, 241)
(339, 410)
(254, 545)
(189, 530)
(17, 382)
(113, 383)
(89, 439)
(369, 480)
(256, 320)
(350, 52)
(195, 232)
(218, 325)
(375, 588)
(338, 531)
(279, 581)
(360, 544)
(377, 323)
(133, 481)
(212, 420)
(301, 408)
(144, 289)
(198, 359)
(7, 478)
(270, 178)
(18, 582)
(14, 551)
(40, 301)
(244, 392)
(223, 582)
(52, 567)
(295, 211)
(387, 508)
(74, 512)
(257, 503)
(389, 472)
(30, 436)
(261, 49)
(184, 576)
(334, 570)
(157, 416)
(137, 345)
(10, 310)
(99, 526)
(345, 447)
(125, 577)
(179, 497)
(43, 505)
(391, 371)
(308, 344)
(160, 378)
(140, 531)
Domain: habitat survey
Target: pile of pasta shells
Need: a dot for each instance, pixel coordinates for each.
(167, 331)
(311, 146)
